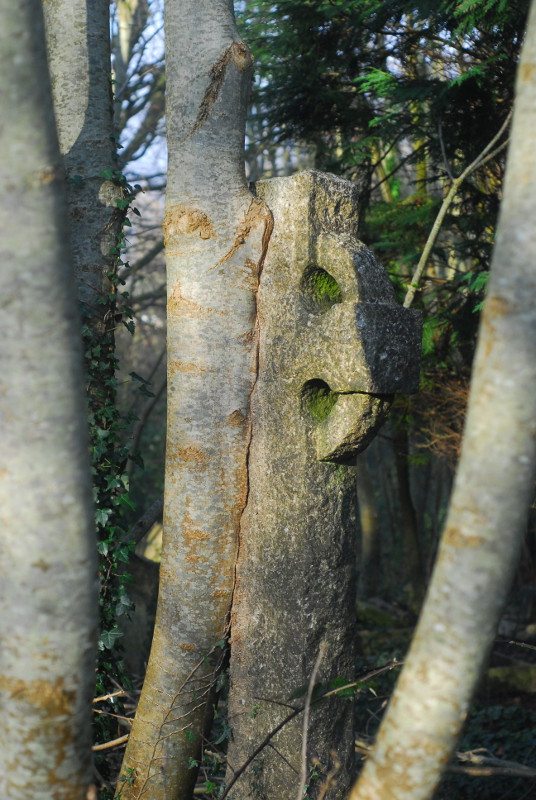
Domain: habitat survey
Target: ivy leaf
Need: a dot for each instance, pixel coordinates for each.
(103, 548)
(102, 515)
(109, 638)
(123, 554)
(136, 377)
(225, 735)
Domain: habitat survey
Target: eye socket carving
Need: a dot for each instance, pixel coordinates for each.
(318, 400)
(320, 290)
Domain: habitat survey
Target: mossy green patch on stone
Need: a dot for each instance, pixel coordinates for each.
(318, 399)
(320, 289)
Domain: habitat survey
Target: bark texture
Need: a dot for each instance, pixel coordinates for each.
(48, 591)
(334, 347)
(216, 234)
(78, 45)
(492, 493)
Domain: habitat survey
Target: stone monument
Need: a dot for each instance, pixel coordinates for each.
(334, 347)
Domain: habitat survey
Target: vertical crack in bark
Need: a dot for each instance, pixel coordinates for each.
(261, 208)
(239, 53)
(257, 210)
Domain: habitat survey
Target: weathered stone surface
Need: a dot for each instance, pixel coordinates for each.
(334, 346)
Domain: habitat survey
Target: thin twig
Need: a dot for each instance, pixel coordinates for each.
(108, 696)
(443, 151)
(479, 161)
(282, 757)
(306, 715)
(112, 743)
(115, 716)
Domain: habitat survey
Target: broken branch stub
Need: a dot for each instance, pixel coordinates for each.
(334, 346)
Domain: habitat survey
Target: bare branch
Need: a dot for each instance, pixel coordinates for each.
(306, 715)
(479, 161)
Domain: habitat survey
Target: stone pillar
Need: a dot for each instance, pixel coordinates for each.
(334, 347)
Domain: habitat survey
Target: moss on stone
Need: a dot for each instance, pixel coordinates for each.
(319, 399)
(321, 289)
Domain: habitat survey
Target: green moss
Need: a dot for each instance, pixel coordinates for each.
(318, 399)
(320, 289)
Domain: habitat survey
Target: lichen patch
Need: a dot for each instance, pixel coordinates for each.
(178, 304)
(181, 220)
(193, 457)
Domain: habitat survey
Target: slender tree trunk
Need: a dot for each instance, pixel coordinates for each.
(216, 236)
(48, 596)
(492, 493)
(78, 45)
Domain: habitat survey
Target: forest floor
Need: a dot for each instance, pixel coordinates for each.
(496, 756)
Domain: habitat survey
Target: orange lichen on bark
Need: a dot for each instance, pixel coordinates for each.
(178, 304)
(193, 457)
(257, 212)
(49, 175)
(51, 698)
(456, 538)
(182, 220)
(240, 55)
(188, 367)
(527, 72)
(237, 418)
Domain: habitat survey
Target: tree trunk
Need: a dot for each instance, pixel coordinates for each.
(78, 45)
(492, 493)
(216, 236)
(48, 599)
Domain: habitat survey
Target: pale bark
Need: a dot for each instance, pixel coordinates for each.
(216, 235)
(48, 592)
(78, 45)
(492, 493)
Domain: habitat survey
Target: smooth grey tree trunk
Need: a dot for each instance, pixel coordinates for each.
(334, 348)
(216, 235)
(48, 588)
(78, 45)
(492, 493)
